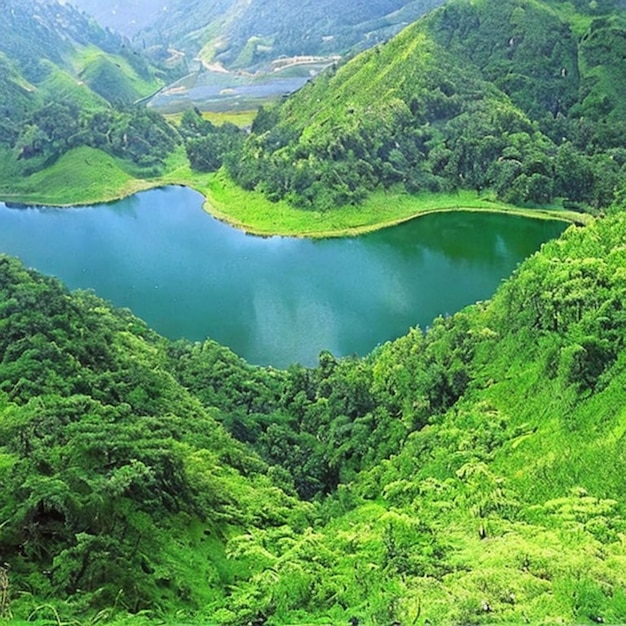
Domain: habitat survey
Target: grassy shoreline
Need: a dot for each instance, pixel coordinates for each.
(254, 214)
(69, 183)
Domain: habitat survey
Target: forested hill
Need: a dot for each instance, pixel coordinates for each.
(243, 34)
(470, 474)
(59, 51)
(521, 97)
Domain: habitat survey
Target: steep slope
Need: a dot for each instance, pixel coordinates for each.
(505, 96)
(18, 98)
(491, 486)
(68, 83)
(474, 472)
(119, 488)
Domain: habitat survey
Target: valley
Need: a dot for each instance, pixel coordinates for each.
(341, 346)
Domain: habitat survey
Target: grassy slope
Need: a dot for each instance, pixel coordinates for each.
(551, 484)
(61, 85)
(251, 211)
(111, 76)
(82, 176)
(229, 491)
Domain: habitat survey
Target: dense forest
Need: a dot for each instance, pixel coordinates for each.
(458, 100)
(472, 473)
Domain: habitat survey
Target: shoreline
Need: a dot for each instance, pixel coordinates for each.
(355, 231)
(209, 206)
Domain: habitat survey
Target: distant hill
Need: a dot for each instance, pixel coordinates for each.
(60, 52)
(521, 97)
(245, 33)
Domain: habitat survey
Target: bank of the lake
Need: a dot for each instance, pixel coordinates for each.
(273, 300)
(86, 176)
(255, 214)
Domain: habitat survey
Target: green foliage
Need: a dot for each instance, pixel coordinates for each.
(476, 95)
(59, 74)
(103, 452)
(45, 40)
(135, 134)
(471, 473)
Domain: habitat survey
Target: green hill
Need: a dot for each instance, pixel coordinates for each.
(467, 474)
(82, 175)
(119, 488)
(513, 97)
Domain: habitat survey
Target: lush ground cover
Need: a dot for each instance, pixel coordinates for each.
(81, 176)
(469, 474)
(252, 212)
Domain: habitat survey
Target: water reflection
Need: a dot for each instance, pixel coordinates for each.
(273, 300)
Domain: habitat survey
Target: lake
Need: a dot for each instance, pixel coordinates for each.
(275, 300)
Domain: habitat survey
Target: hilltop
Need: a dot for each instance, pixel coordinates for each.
(517, 103)
(515, 97)
(61, 53)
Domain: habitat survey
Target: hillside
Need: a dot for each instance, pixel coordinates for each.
(68, 83)
(469, 474)
(119, 488)
(244, 34)
(44, 40)
(515, 97)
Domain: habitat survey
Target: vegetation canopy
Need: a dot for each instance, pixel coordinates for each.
(469, 473)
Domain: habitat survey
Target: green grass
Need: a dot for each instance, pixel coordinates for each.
(239, 118)
(111, 76)
(62, 86)
(82, 176)
(254, 213)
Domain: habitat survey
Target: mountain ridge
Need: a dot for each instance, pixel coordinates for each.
(503, 122)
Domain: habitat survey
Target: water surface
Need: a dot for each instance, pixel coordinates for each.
(272, 300)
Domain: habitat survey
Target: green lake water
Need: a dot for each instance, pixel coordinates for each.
(276, 300)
